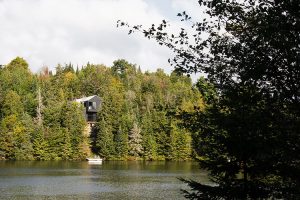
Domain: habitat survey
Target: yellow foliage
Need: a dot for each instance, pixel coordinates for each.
(19, 129)
(190, 105)
(9, 122)
(69, 77)
(187, 106)
(200, 103)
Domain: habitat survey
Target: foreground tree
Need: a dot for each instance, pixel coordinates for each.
(248, 135)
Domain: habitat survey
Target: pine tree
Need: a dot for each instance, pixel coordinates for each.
(104, 140)
(39, 108)
(135, 141)
(149, 142)
(74, 122)
(121, 143)
(40, 144)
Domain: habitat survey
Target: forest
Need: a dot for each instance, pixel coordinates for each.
(139, 116)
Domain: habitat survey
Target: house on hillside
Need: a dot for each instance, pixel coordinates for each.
(91, 106)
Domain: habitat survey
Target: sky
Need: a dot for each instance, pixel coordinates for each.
(51, 32)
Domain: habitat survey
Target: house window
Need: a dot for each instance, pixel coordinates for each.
(90, 105)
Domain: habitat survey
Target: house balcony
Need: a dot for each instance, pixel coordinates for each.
(91, 117)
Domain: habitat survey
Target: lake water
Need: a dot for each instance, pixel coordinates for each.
(111, 180)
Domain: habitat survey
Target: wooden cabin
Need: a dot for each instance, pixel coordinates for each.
(91, 106)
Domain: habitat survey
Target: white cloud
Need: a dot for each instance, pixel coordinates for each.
(48, 32)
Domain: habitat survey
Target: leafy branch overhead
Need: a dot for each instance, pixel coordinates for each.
(187, 46)
(212, 45)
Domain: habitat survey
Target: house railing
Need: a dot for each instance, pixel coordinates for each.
(91, 117)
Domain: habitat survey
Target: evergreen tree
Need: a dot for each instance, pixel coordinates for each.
(104, 140)
(150, 147)
(135, 141)
(180, 144)
(121, 143)
(149, 141)
(23, 138)
(7, 137)
(40, 144)
(74, 123)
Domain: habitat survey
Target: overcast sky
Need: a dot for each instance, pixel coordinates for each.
(48, 32)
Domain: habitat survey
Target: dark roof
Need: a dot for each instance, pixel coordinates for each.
(83, 99)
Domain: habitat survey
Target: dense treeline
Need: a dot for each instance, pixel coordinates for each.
(138, 116)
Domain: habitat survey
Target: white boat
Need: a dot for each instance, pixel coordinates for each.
(96, 160)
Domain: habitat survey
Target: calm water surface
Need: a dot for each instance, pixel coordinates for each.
(111, 180)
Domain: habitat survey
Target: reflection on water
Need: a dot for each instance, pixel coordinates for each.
(111, 180)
